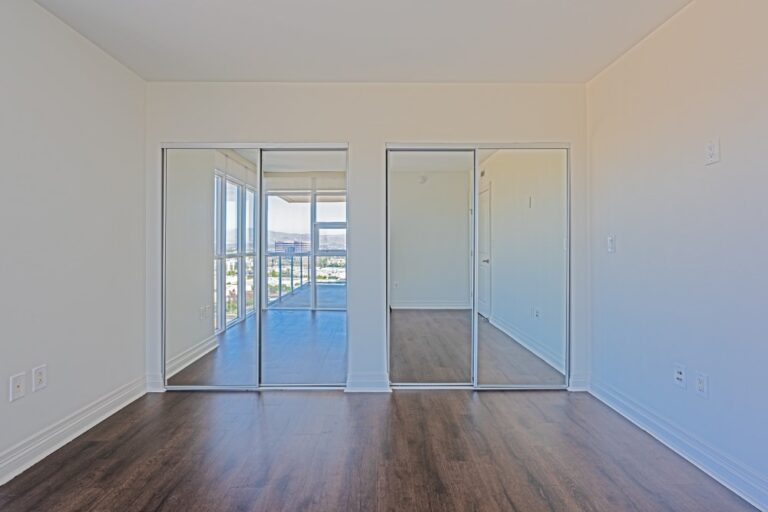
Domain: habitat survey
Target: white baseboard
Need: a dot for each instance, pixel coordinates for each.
(189, 356)
(529, 342)
(35, 448)
(370, 382)
(579, 383)
(155, 383)
(742, 480)
(432, 304)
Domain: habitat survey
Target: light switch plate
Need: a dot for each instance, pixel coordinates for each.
(712, 151)
(39, 377)
(611, 244)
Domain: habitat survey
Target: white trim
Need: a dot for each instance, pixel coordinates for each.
(432, 304)
(32, 450)
(579, 384)
(428, 146)
(368, 382)
(747, 482)
(155, 383)
(529, 342)
(190, 355)
(474, 264)
(256, 145)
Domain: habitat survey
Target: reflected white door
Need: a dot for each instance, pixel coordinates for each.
(484, 252)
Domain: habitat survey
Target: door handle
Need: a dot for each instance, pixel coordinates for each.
(486, 261)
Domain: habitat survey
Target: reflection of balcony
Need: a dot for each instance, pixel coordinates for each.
(329, 296)
(288, 280)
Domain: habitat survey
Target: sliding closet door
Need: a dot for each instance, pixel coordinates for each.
(304, 306)
(430, 266)
(210, 267)
(522, 229)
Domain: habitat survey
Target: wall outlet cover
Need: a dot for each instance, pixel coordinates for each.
(679, 375)
(702, 385)
(18, 386)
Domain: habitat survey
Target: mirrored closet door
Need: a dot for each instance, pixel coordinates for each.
(304, 289)
(255, 267)
(211, 267)
(522, 267)
(430, 266)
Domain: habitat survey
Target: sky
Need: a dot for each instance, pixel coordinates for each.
(295, 217)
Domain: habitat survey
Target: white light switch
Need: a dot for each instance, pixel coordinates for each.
(39, 377)
(611, 243)
(712, 151)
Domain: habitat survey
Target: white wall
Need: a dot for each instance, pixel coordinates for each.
(688, 282)
(528, 220)
(367, 116)
(430, 242)
(72, 224)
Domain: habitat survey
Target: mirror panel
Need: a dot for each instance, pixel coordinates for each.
(522, 267)
(430, 266)
(304, 311)
(210, 227)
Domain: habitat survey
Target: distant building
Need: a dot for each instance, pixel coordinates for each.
(295, 247)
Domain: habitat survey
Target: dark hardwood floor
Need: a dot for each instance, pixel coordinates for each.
(330, 451)
(300, 347)
(435, 346)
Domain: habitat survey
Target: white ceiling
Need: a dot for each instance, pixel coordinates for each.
(365, 40)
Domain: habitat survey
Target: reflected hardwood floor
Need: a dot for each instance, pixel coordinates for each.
(232, 363)
(300, 347)
(305, 347)
(436, 346)
(430, 345)
(330, 451)
(504, 361)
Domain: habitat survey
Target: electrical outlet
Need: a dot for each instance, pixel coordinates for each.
(702, 385)
(679, 375)
(18, 386)
(39, 377)
(537, 313)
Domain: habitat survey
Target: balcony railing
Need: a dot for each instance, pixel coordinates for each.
(287, 274)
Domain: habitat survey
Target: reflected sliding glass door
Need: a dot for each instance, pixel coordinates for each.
(303, 334)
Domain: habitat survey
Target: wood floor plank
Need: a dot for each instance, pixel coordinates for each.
(330, 451)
